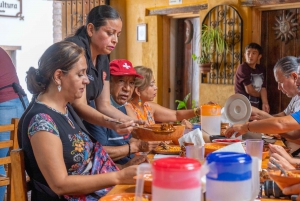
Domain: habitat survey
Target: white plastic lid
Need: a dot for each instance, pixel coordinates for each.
(237, 109)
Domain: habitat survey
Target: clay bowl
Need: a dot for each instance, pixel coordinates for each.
(124, 197)
(211, 147)
(148, 135)
(283, 181)
(147, 183)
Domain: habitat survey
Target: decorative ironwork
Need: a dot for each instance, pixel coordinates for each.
(224, 65)
(286, 26)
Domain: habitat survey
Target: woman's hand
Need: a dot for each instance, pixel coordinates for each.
(281, 152)
(280, 161)
(236, 130)
(143, 146)
(121, 126)
(125, 176)
(136, 160)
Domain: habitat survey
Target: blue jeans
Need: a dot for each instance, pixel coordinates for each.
(8, 110)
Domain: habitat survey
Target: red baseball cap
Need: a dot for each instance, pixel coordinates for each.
(122, 67)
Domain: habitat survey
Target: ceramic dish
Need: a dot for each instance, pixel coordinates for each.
(211, 147)
(237, 109)
(125, 197)
(227, 141)
(285, 181)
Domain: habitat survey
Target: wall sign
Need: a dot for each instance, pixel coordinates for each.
(141, 32)
(171, 2)
(11, 8)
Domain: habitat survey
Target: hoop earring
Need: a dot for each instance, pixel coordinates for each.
(59, 88)
(140, 101)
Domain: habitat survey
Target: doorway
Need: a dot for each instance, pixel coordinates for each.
(184, 72)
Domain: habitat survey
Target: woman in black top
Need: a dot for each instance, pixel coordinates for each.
(61, 158)
(99, 37)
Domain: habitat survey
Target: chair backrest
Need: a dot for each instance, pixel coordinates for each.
(15, 179)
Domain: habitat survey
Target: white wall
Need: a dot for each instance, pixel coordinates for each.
(34, 34)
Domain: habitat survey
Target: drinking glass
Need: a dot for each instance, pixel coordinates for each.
(254, 148)
(196, 152)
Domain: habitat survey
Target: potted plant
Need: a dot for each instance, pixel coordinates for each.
(212, 40)
(182, 104)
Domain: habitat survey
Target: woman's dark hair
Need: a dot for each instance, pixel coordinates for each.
(287, 65)
(147, 73)
(99, 15)
(62, 55)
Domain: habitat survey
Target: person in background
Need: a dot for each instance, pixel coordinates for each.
(63, 160)
(272, 125)
(142, 107)
(250, 78)
(13, 101)
(121, 149)
(99, 37)
(285, 73)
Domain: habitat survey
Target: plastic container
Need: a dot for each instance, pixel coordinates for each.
(231, 176)
(211, 119)
(173, 179)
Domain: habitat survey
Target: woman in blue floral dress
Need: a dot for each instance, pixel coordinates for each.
(63, 161)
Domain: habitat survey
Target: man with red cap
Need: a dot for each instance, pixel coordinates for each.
(121, 149)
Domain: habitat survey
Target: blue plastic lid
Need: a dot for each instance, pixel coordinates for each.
(195, 126)
(229, 166)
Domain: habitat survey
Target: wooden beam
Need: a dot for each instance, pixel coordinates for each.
(175, 10)
(265, 2)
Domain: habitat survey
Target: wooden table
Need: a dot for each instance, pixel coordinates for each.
(131, 188)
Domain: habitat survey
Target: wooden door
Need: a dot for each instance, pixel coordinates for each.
(279, 39)
(74, 14)
(186, 70)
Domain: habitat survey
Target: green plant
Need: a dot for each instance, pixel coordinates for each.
(182, 104)
(212, 40)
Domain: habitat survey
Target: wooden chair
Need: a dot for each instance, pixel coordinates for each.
(15, 179)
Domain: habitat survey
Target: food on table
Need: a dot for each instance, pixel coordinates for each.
(264, 175)
(211, 147)
(226, 140)
(132, 199)
(170, 148)
(293, 174)
(125, 197)
(164, 145)
(167, 127)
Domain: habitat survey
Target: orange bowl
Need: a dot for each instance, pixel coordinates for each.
(147, 135)
(147, 183)
(211, 147)
(125, 197)
(283, 181)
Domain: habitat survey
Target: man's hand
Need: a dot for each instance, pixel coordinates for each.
(266, 107)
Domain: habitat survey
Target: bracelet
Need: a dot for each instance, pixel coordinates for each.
(297, 166)
(129, 149)
(196, 111)
(248, 126)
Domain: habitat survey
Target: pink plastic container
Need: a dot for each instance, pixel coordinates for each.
(173, 179)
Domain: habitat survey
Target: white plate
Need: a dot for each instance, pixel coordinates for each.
(227, 141)
(237, 109)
